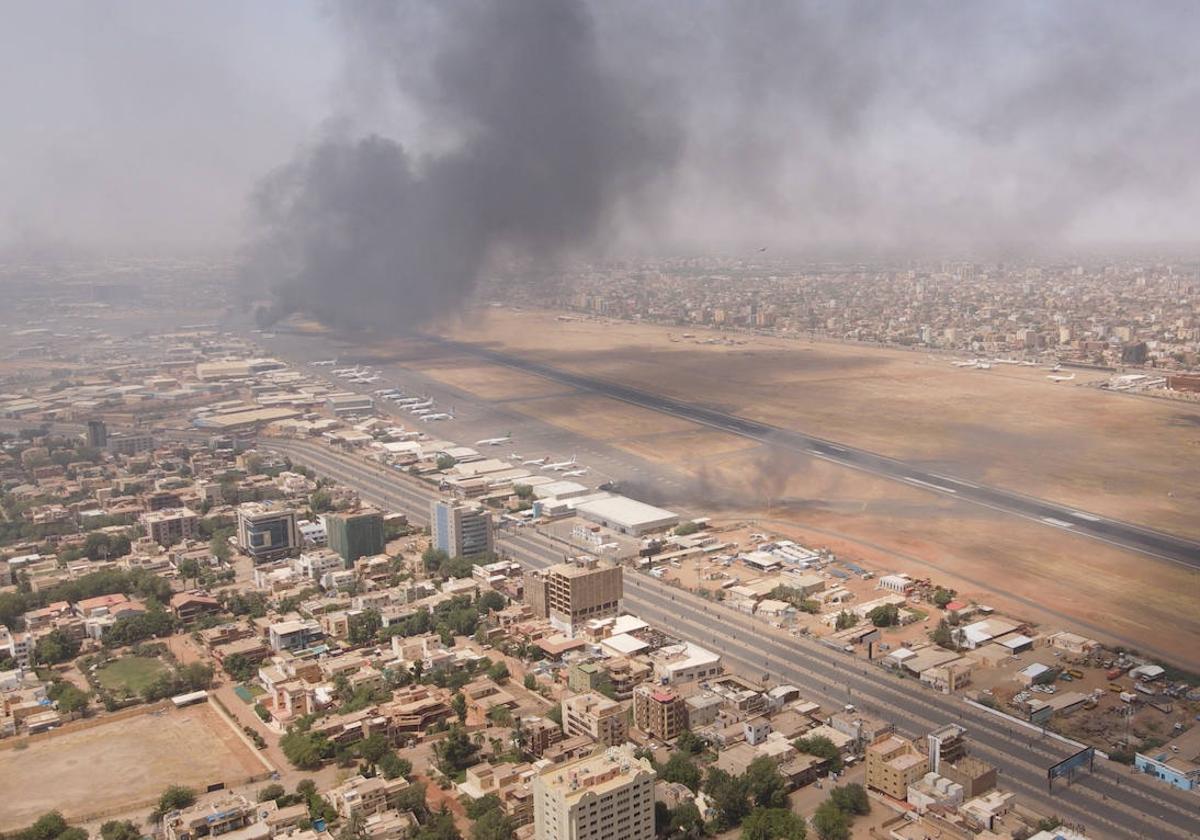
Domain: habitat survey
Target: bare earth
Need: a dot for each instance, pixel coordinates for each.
(1123, 456)
(118, 766)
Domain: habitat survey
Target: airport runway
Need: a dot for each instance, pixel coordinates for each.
(1157, 544)
(1111, 802)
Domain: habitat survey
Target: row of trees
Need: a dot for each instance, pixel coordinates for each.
(138, 582)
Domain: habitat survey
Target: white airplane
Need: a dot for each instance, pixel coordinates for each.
(325, 363)
(422, 411)
(971, 363)
(533, 462)
(407, 401)
(346, 372)
(419, 405)
(439, 416)
(576, 473)
(516, 456)
(497, 441)
(560, 466)
(1056, 378)
(372, 378)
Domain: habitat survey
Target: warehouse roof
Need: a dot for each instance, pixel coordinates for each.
(626, 511)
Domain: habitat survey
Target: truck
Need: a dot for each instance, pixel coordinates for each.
(1144, 689)
(1114, 673)
(1128, 696)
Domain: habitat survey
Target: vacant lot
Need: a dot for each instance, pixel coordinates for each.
(121, 765)
(130, 674)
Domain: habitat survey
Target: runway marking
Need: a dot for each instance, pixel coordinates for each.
(1050, 520)
(956, 481)
(1081, 515)
(930, 485)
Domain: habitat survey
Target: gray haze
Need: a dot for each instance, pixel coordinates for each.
(392, 149)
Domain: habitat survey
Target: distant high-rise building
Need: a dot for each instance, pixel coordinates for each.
(606, 796)
(460, 529)
(267, 533)
(97, 434)
(354, 535)
(572, 593)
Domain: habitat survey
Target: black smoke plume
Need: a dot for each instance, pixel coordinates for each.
(547, 147)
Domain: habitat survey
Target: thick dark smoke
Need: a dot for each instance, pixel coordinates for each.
(545, 147)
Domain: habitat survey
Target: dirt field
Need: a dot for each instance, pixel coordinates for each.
(1129, 457)
(117, 766)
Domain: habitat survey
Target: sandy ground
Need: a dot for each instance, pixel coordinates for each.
(116, 766)
(1111, 453)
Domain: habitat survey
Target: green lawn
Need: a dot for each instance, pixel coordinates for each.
(130, 674)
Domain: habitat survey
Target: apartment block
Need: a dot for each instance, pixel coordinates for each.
(659, 711)
(594, 715)
(360, 795)
(170, 525)
(606, 796)
(570, 594)
(460, 529)
(893, 764)
(354, 535)
(267, 533)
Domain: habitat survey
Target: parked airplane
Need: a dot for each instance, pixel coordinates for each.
(407, 401)
(559, 466)
(420, 405)
(1056, 378)
(533, 462)
(420, 411)
(971, 363)
(496, 441)
(325, 363)
(516, 456)
(576, 473)
(441, 415)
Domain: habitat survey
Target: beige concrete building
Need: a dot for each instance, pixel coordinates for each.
(893, 764)
(570, 594)
(360, 795)
(659, 711)
(170, 525)
(606, 796)
(594, 715)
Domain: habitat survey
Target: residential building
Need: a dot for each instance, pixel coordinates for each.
(460, 529)
(1177, 762)
(296, 634)
(594, 715)
(354, 535)
(315, 564)
(893, 764)
(266, 532)
(189, 605)
(946, 743)
(210, 819)
(170, 525)
(606, 796)
(659, 711)
(359, 795)
(570, 594)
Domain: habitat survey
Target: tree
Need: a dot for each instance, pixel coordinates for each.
(47, 827)
(765, 784)
(852, 799)
(943, 635)
(523, 491)
(271, 792)
(680, 768)
(439, 826)
(494, 824)
(728, 794)
(885, 615)
(239, 667)
(173, 798)
(304, 750)
(71, 699)
(433, 559)
(364, 626)
(189, 569)
(691, 743)
(942, 597)
(684, 529)
(120, 830)
(354, 828)
(498, 672)
(456, 752)
(459, 704)
(373, 748)
(445, 461)
(686, 821)
(821, 747)
(846, 620)
(321, 501)
(489, 601)
(393, 766)
(830, 822)
(773, 824)
(530, 682)
(55, 647)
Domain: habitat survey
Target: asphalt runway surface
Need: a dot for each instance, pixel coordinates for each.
(1152, 543)
(1111, 802)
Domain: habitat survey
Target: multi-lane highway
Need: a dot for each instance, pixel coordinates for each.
(1111, 803)
(1050, 514)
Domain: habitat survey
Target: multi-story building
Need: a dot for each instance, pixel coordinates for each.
(659, 711)
(570, 594)
(359, 795)
(606, 796)
(297, 634)
(947, 743)
(460, 529)
(316, 564)
(594, 715)
(266, 532)
(893, 764)
(354, 535)
(211, 819)
(170, 525)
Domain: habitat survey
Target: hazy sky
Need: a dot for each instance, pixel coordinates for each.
(148, 126)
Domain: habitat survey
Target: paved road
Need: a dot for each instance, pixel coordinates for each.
(1158, 544)
(1111, 803)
